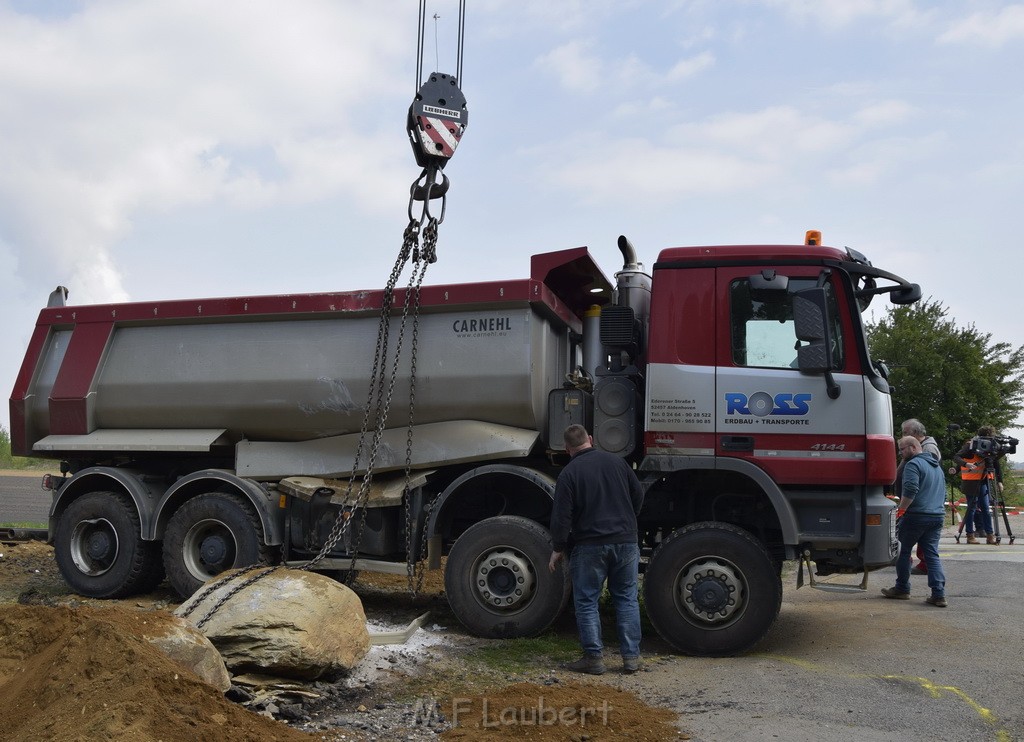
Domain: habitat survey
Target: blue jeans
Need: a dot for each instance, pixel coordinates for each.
(980, 517)
(619, 564)
(924, 530)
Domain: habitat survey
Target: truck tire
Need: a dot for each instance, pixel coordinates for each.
(209, 534)
(497, 578)
(99, 548)
(711, 589)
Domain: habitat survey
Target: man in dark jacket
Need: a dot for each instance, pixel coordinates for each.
(597, 498)
(921, 512)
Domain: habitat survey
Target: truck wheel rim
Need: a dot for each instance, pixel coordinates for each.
(208, 549)
(709, 592)
(94, 546)
(504, 578)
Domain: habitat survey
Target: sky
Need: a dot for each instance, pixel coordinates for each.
(162, 149)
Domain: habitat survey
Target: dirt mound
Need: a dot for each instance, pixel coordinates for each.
(28, 567)
(569, 711)
(88, 673)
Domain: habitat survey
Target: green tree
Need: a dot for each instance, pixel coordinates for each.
(7, 460)
(5, 449)
(942, 373)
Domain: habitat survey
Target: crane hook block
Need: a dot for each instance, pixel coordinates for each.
(437, 119)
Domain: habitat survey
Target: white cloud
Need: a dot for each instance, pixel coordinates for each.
(686, 68)
(128, 107)
(771, 133)
(655, 106)
(638, 171)
(835, 14)
(576, 66)
(526, 18)
(581, 70)
(884, 113)
(739, 152)
(875, 160)
(992, 29)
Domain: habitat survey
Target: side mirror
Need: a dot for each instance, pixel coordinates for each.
(811, 325)
(906, 295)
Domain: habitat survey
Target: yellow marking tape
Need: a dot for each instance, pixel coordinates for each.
(933, 689)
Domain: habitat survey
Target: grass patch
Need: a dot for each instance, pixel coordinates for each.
(23, 524)
(520, 655)
(20, 463)
(1013, 492)
(7, 461)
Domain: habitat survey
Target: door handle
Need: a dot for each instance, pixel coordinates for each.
(737, 443)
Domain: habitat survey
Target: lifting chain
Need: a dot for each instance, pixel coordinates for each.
(378, 406)
(381, 388)
(237, 587)
(436, 122)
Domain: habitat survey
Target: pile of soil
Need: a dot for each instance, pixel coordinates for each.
(28, 572)
(88, 673)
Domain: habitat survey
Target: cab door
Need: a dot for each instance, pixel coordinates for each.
(769, 412)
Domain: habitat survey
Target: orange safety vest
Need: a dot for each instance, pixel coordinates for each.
(977, 474)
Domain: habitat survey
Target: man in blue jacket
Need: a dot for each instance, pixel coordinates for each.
(597, 498)
(921, 512)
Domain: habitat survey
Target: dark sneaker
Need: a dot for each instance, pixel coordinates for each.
(891, 592)
(630, 665)
(588, 663)
(938, 601)
(918, 571)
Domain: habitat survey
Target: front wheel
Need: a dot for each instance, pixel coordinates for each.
(711, 589)
(99, 548)
(497, 578)
(209, 534)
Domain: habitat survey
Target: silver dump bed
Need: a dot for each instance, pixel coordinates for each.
(285, 380)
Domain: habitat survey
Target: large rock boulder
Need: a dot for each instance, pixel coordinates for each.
(290, 623)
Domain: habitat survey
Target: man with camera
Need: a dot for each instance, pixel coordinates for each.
(978, 462)
(920, 514)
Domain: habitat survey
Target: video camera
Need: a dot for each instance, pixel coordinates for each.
(993, 446)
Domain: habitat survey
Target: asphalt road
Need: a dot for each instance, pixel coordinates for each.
(22, 498)
(841, 667)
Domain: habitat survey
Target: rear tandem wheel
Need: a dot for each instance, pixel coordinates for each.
(99, 548)
(208, 535)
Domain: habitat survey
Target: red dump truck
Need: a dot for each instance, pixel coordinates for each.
(199, 435)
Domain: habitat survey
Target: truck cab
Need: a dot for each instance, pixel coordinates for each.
(762, 414)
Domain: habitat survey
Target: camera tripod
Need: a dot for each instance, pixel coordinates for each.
(995, 500)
